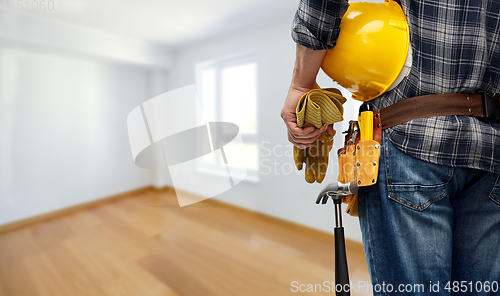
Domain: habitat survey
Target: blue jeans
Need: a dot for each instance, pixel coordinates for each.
(425, 224)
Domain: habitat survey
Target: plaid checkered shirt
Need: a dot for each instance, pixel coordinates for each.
(456, 49)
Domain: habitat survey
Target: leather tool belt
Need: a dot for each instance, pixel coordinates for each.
(479, 105)
(358, 160)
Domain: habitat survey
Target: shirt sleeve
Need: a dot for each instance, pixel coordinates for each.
(316, 23)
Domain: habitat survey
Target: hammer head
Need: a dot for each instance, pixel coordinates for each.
(336, 190)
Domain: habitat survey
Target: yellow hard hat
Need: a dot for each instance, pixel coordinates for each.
(373, 52)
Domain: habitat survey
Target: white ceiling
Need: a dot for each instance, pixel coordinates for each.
(168, 22)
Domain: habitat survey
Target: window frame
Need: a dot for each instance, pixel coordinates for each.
(219, 64)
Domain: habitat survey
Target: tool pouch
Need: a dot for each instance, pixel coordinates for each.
(359, 162)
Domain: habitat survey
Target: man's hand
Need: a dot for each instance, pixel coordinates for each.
(300, 137)
(307, 64)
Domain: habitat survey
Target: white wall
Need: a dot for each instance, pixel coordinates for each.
(63, 133)
(283, 192)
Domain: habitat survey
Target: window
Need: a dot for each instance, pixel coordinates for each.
(228, 93)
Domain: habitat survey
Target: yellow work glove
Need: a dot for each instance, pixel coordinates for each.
(318, 107)
(315, 158)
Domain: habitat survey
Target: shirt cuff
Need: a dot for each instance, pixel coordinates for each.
(316, 23)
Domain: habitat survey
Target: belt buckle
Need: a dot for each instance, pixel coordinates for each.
(491, 105)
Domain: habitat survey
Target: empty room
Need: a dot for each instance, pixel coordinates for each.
(223, 148)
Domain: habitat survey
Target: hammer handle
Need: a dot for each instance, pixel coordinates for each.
(342, 287)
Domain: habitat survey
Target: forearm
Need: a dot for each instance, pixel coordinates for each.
(307, 64)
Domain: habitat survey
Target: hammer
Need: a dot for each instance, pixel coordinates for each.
(336, 190)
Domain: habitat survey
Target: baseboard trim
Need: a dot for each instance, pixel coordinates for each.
(65, 211)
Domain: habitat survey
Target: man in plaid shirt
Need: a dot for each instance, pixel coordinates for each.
(434, 214)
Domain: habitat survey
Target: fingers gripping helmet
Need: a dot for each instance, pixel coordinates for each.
(373, 52)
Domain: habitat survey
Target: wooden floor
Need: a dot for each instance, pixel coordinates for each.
(145, 244)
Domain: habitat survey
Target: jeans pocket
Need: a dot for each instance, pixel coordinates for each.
(416, 197)
(495, 193)
(412, 182)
